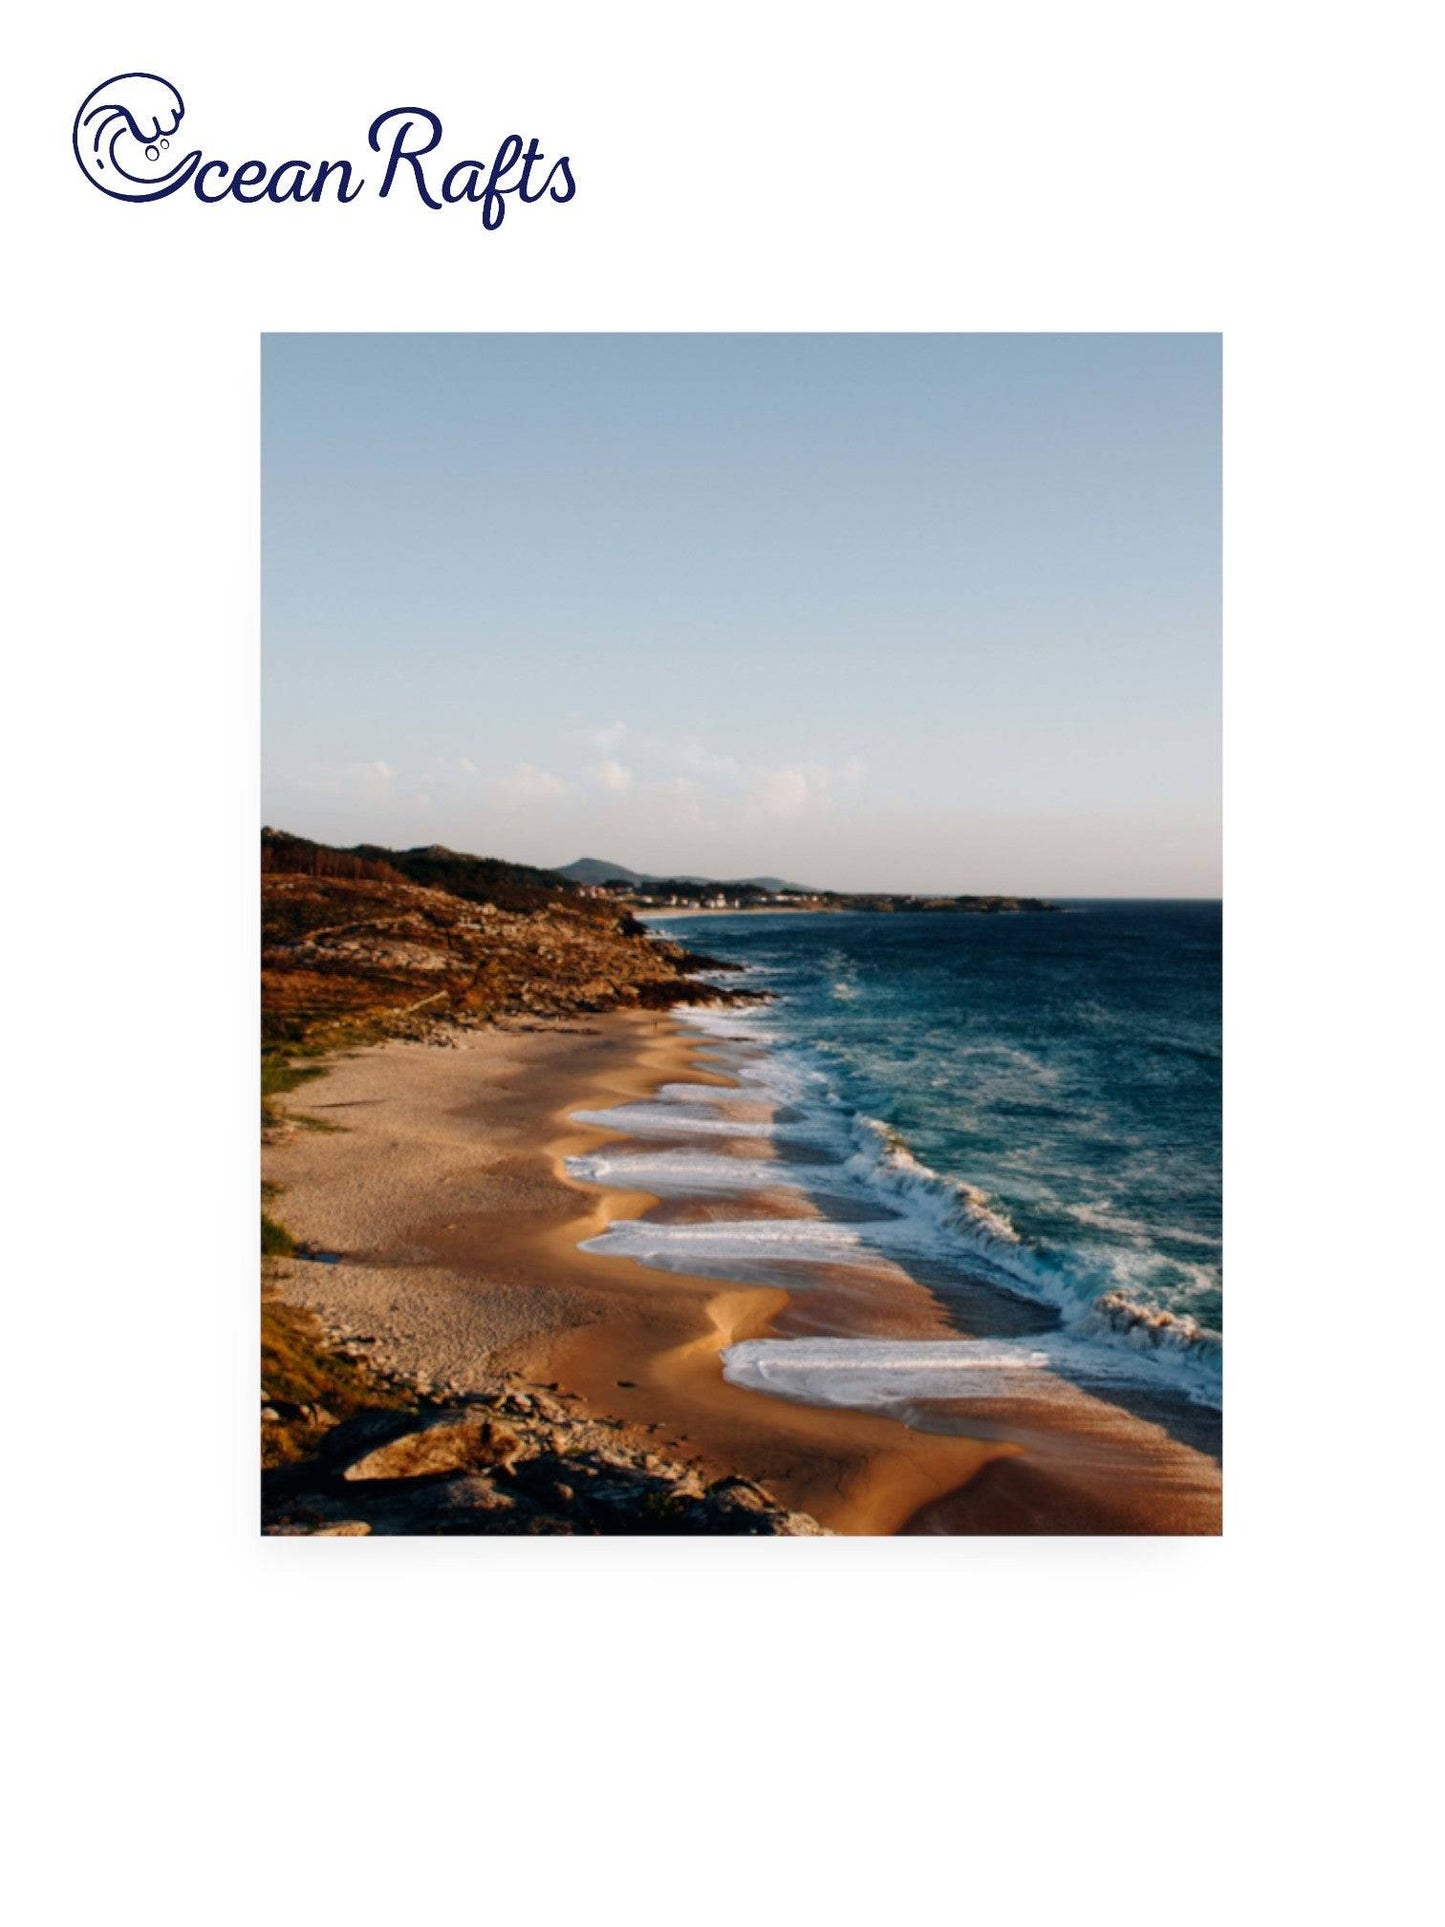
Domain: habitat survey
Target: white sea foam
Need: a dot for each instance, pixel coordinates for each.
(727, 1021)
(1107, 1324)
(672, 1120)
(878, 1373)
(870, 1373)
(1092, 1297)
(792, 1240)
(680, 1173)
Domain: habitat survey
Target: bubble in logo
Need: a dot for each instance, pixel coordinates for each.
(123, 138)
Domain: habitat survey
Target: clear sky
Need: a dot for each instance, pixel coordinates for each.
(909, 612)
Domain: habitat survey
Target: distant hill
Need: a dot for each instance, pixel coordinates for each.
(591, 870)
(478, 879)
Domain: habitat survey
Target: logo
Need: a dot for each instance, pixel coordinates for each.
(126, 141)
(122, 138)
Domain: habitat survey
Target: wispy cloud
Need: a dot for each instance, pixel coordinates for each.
(704, 762)
(679, 798)
(788, 792)
(373, 782)
(526, 785)
(681, 781)
(720, 786)
(800, 789)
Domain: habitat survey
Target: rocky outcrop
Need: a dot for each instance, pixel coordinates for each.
(512, 1459)
(366, 954)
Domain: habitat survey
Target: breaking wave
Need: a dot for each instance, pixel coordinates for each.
(879, 1204)
(881, 1374)
(1092, 1301)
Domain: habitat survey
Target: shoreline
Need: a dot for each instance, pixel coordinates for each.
(751, 910)
(458, 1228)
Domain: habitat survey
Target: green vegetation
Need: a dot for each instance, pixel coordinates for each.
(306, 1385)
(279, 1074)
(476, 879)
(302, 1377)
(276, 1240)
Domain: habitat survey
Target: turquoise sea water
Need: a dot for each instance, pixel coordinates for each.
(1032, 1099)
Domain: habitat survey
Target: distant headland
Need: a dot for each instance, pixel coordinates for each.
(637, 889)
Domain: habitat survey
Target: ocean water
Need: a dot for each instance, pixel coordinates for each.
(1025, 1103)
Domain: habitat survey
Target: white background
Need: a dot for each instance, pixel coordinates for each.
(213, 1727)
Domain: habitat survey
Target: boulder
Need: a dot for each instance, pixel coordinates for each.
(446, 1442)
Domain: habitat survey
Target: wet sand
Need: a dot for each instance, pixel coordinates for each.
(446, 1197)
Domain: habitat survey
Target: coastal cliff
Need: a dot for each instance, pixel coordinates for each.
(352, 947)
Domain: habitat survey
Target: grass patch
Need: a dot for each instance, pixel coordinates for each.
(298, 1369)
(300, 1372)
(280, 1075)
(276, 1240)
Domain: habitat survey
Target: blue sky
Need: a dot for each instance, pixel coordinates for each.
(934, 612)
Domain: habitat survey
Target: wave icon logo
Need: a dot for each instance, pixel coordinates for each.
(122, 138)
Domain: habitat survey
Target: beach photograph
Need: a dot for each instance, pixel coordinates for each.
(741, 918)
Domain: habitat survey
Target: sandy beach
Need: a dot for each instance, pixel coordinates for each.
(444, 1201)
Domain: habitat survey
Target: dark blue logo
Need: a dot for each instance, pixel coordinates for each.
(122, 138)
(127, 143)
